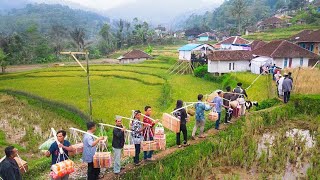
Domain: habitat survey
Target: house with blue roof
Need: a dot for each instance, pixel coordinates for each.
(188, 50)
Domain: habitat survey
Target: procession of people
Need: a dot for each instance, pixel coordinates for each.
(144, 130)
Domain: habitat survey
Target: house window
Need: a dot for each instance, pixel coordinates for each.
(231, 66)
(311, 47)
(285, 62)
(301, 61)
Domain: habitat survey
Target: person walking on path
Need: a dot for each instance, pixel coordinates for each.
(227, 97)
(240, 95)
(117, 144)
(9, 168)
(200, 107)
(217, 101)
(137, 136)
(54, 150)
(89, 149)
(182, 115)
(148, 132)
(286, 88)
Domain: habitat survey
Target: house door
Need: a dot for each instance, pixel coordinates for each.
(290, 62)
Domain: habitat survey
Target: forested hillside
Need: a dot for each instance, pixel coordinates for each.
(45, 16)
(236, 15)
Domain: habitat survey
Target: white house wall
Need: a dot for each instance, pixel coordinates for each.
(295, 62)
(185, 55)
(223, 66)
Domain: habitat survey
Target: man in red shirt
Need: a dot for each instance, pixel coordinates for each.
(148, 131)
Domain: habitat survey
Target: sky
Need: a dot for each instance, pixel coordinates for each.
(109, 4)
(156, 11)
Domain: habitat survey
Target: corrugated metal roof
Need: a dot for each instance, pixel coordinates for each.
(188, 47)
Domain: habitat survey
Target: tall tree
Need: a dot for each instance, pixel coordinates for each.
(58, 34)
(297, 4)
(78, 36)
(239, 10)
(3, 61)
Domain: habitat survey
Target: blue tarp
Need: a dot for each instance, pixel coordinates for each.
(189, 47)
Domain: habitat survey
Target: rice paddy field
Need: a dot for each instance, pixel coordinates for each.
(116, 90)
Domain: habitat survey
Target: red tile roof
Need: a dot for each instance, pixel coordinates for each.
(257, 44)
(271, 20)
(306, 36)
(233, 40)
(135, 54)
(235, 55)
(283, 49)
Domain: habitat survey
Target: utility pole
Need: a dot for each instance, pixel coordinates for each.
(88, 76)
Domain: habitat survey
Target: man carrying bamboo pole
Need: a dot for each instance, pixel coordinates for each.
(89, 149)
(9, 168)
(117, 144)
(54, 150)
(148, 131)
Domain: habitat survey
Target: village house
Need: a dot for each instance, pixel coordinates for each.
(133, 56)
(192, 51)
(207, 36)
(224, 61)
(308, 39)
(160, 31)
(233, 43)
(272, 23)
(257, 44)
(286, 54)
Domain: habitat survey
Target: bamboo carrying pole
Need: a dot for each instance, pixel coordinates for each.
(109, 125)
(133, 119)
(149, 118)
(84, 132)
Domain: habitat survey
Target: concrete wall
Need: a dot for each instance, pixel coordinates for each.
(185, 55)
(280, 62)
(128, 61)
(224, 66)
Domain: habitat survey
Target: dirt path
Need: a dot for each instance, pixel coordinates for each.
(161, 154)
(22, 68)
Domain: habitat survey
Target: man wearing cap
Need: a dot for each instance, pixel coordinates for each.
(117, 144)
(286, 88)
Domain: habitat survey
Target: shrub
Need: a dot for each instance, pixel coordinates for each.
(201, 71)
(267, 103)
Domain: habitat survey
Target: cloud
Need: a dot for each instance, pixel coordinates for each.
(103, 4)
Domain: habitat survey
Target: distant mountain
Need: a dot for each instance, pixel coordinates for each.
(6, 5)
(45, 16)
(160, 12)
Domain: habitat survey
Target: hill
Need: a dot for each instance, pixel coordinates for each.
(45, 16)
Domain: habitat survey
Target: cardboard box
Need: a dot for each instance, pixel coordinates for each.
(23, 165)
(149, 146)
(77, 149)
(159, 130)
(62, 168)
(102, 160)
(171, 122)
(129, 150)
(161, 141)
(213, 116)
